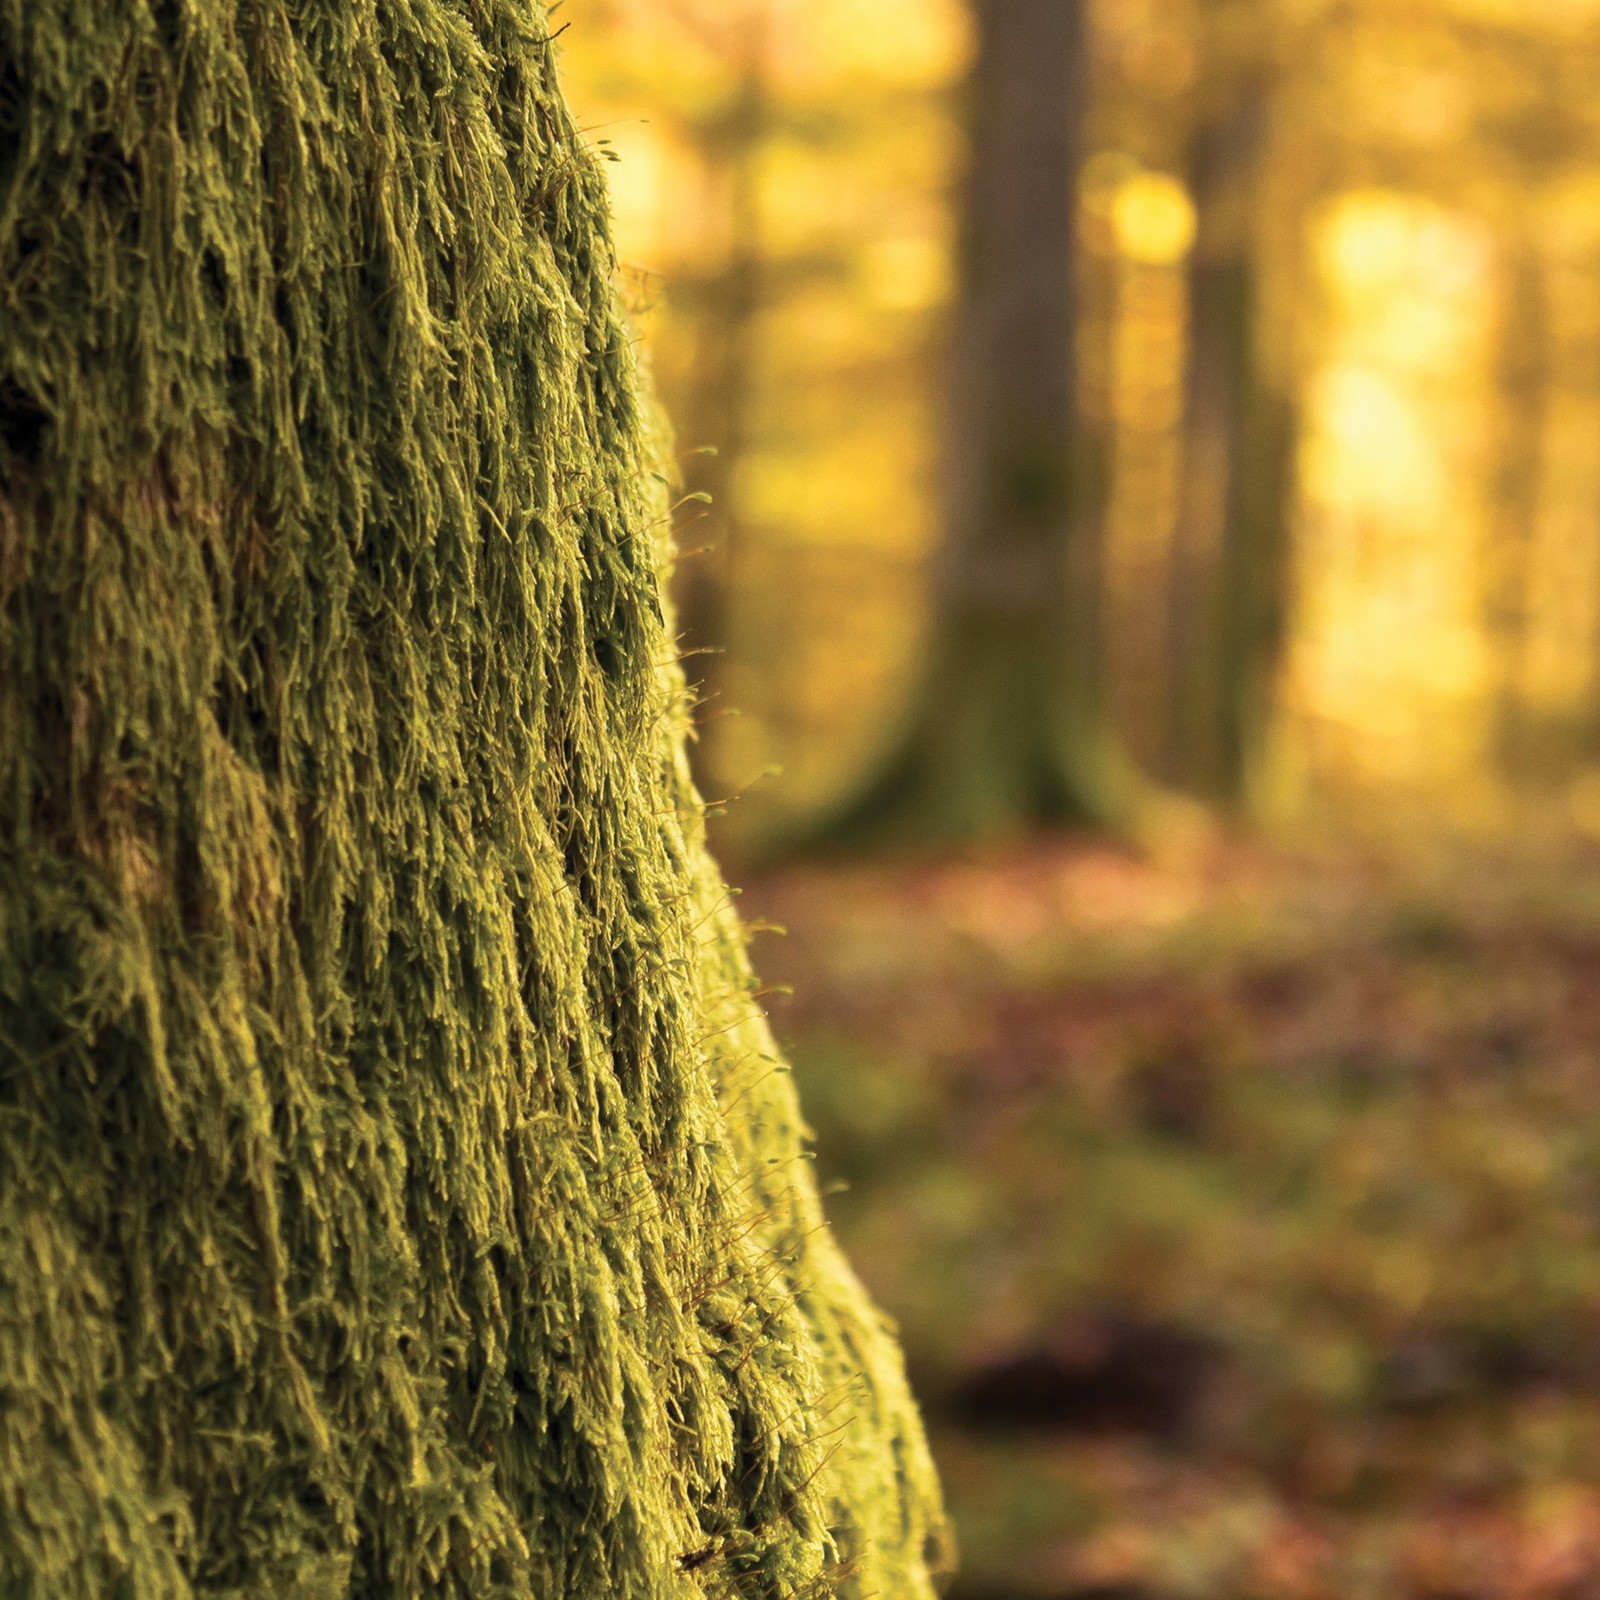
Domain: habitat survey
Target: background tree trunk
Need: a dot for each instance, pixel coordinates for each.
(398, 1191)
(1007, 731)
(1229, 560)
(1523, 373)
(720, 397)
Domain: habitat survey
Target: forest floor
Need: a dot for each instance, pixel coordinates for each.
(1241, 1215)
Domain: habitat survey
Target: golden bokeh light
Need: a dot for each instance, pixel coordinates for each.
(1153, 219)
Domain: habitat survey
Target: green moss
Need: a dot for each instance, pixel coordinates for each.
(398, 1191)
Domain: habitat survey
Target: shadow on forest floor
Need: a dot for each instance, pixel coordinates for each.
(1242, 1219)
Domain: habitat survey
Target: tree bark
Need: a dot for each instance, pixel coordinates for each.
(399, 1193)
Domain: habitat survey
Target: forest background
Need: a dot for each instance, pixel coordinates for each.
(1220, 1116)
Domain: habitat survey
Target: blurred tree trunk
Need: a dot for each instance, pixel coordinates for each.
(397, 1197)
(1522, 372)
(1225, 595)
(1007, 732)
(714, 416)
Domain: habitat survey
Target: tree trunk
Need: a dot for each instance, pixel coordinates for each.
(1523, 389)
(1007, 731)
(721, 395)
(398, 1193)
(1226, 590)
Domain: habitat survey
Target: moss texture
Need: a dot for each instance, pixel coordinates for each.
(399, 1193)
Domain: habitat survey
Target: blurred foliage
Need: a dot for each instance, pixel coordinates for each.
(1427, 230)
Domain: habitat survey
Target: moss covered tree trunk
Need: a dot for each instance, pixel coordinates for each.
(399, 1195)
(1007, 731)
